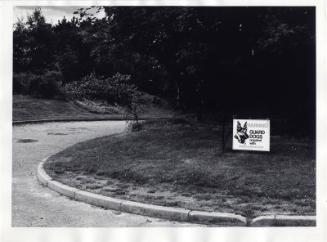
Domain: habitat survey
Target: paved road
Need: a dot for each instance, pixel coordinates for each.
(35, 205)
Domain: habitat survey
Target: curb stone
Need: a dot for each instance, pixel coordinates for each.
(283, 220)
(178, 214)
(98, 200)
(286, 220)
(217, 218)
(41, 175)
(62, 188)
(171, 213)
(268, 220)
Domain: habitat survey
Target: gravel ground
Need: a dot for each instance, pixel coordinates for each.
(34, 205)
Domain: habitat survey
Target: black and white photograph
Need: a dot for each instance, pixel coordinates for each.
(148, 116)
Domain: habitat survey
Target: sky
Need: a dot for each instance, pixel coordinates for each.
(51, 13)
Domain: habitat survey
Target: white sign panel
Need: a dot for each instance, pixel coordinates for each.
(251, 134)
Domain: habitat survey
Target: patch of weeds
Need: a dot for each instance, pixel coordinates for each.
(186, 194)
(262, 209)
(248, 212)
(110, 189)
(123, 185)
(92, 169)
(301, 202)
(59, 172)
(171, 203)
(294, 210)
(100, 173)
(93, 186)
(83, 181)
(119, 192)
(246, 199)
(136, 127)
(205, 197)
(79, 186)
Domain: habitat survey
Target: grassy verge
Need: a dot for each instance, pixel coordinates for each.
(181, 164)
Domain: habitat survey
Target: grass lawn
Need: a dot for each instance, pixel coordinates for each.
(29, 108)
(180, 164)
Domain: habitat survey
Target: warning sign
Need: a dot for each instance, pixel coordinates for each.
(251, 134)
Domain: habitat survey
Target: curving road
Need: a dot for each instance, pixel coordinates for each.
(35, 205)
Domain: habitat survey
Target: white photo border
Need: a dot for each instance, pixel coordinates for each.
(158, 234)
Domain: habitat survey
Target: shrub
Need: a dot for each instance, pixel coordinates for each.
(21, 82)
(44, 86)
(89, 87)
(120, 89)
(47, 85)
(116, 89)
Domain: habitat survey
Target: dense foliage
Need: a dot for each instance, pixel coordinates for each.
(46, 85)
(116, 89)
(247, 61)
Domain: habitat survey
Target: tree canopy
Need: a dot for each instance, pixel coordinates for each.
(251, 60)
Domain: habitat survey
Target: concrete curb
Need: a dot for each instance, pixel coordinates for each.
(171, 213)
(227, 219)
(283, 220)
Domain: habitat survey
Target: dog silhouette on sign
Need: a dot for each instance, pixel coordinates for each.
(241, 132)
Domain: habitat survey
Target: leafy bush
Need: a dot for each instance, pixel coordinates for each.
(116, 89)
(44, 86)
(89, 87)
(21, 82)
(121, 90)
(47, 85)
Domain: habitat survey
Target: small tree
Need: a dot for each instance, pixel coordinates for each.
(133, 108)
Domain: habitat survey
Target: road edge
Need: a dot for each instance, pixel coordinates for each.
(171, 213)
(284, 221)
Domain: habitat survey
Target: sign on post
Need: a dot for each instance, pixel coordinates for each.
(251, 134)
